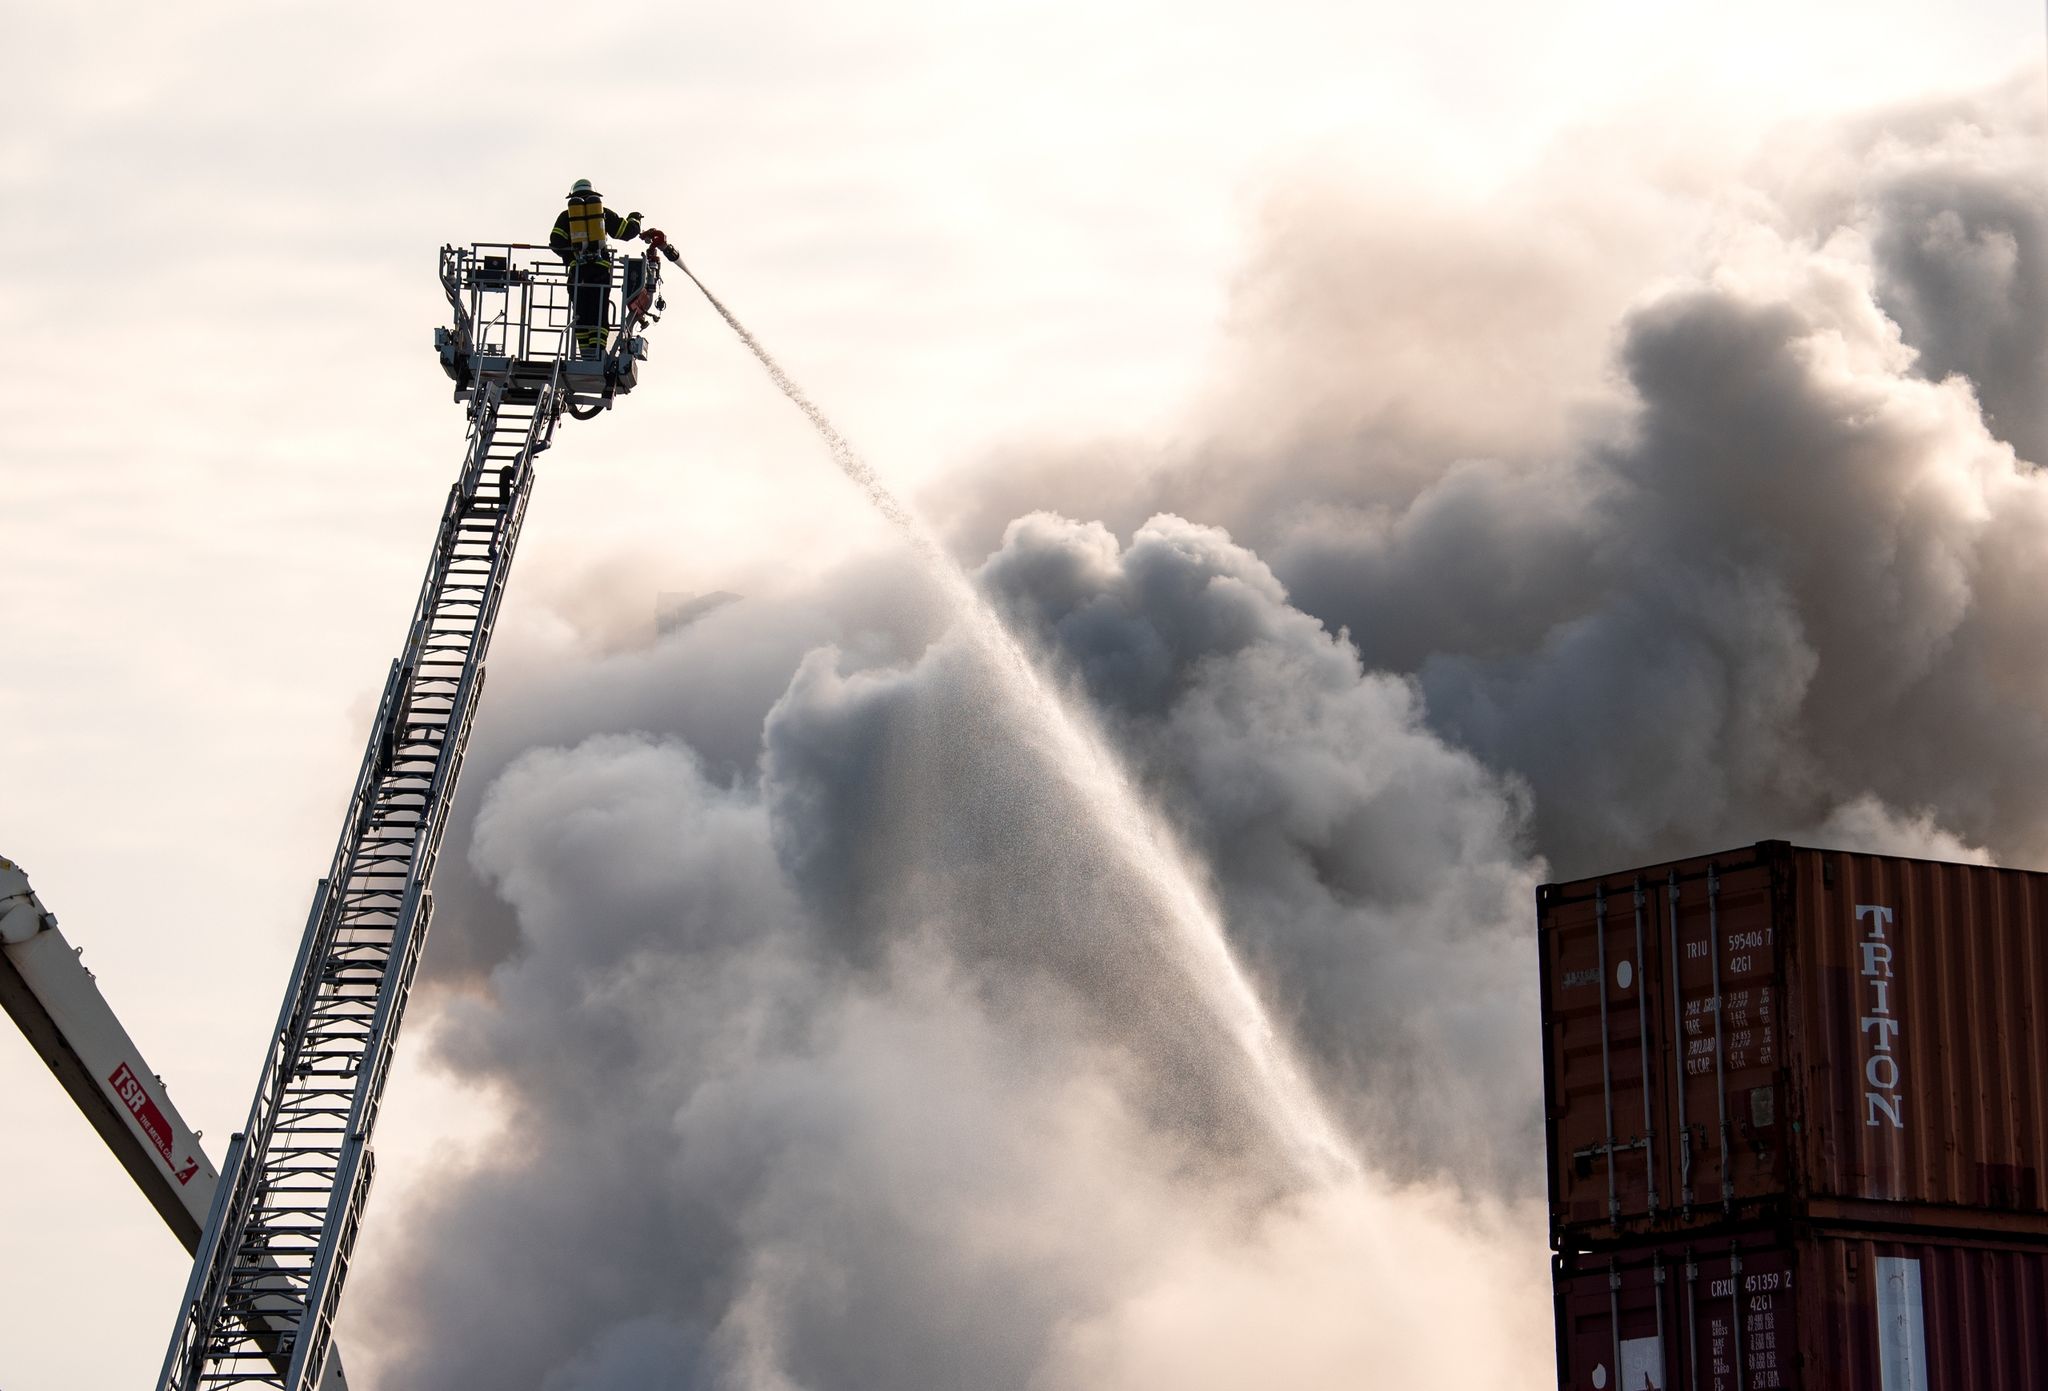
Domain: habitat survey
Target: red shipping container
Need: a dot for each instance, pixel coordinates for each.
(1804, 1311)
(1783, 1032)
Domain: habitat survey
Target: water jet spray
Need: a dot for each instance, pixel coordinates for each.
(1136, 832)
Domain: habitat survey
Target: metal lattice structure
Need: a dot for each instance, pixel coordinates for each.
(268, 1275)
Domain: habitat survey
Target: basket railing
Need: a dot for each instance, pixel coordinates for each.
(515, 301)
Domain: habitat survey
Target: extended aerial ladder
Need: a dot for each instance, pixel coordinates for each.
(277, 1241)
(57, 1004)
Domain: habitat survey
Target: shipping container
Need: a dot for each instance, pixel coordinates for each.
(1781, 1032)
(1804, 1311)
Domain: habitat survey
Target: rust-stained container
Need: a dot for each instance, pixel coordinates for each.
(1804, 1311)
(1782, 1032)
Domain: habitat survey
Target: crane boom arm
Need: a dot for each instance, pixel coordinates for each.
(57, 1005)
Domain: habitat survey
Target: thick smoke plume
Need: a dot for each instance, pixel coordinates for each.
(1613, 521)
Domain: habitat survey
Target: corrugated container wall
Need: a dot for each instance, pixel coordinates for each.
(1804, 1311)
(1781, 1031)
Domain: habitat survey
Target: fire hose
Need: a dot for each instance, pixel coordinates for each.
(635, 308)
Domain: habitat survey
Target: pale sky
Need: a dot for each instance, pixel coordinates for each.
(959, 225)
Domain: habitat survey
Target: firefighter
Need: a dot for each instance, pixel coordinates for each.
(582, 238)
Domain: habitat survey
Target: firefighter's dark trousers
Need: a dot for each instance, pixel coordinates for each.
(590, 286)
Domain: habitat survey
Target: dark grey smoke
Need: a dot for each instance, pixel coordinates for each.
(1786, 568)
(1956, 216)
(828, 1050)
(1373, 875)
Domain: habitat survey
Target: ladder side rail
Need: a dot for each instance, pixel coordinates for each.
(350, 1191)
(178, 1357)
